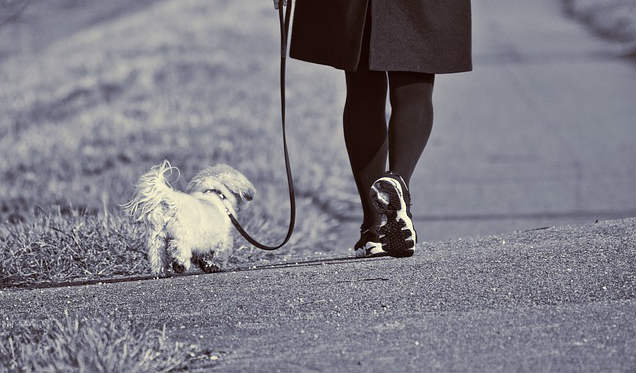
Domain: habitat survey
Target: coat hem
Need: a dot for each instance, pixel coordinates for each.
(375, 67)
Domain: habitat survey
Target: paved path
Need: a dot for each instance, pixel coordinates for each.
(540, 133)
(554, 300)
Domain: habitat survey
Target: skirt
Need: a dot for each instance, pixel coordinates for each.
(429, 36)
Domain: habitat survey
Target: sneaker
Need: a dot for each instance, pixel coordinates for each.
(392, 198)
(368, 246)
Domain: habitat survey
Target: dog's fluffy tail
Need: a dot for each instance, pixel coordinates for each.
(152, 193)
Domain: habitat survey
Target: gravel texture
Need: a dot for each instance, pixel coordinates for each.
(548, 300)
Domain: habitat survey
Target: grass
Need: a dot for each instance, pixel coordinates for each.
(612, 19)
(74, 344)
(53, 247)
(191, 81)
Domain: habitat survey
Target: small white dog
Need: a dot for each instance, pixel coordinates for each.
(191, 227)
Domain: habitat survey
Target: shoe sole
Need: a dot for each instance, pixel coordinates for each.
(386, 194)
(372, 252)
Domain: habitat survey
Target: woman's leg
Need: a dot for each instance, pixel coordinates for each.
(364, 121)
(365, 132)
(411, 96)
(409, 129)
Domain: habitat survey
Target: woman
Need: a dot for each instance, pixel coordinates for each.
(380, 44)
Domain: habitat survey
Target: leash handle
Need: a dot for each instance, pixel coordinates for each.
(277, 3)
(284, 19)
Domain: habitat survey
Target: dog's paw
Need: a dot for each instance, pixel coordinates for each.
(178, 267)
(158, 273)
(206, 263)
(208, 266)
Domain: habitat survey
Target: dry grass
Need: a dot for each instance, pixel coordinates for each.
(191, 81)
(54, 247)
(612, 19)
(74, 344)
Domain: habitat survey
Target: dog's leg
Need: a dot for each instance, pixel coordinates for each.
(180, 258)
(157, 251)
(206, 262)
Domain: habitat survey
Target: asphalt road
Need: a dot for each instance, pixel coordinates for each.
(552, 300)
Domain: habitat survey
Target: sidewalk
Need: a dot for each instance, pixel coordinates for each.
(559, 299)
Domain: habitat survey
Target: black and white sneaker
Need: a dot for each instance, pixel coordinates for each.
(368, 246)
(393, 199)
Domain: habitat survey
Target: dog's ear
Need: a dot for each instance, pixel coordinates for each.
(232, 179)
(237, 183)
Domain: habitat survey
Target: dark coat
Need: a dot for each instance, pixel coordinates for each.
(432, 36)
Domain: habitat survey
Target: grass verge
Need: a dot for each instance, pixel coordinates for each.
(194, 82)
(611, 19)
(55, 247)
(74, 344)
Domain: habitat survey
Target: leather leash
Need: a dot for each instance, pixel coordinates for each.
(284, 19)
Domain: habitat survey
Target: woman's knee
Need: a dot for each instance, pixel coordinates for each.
(410, 87)
(366, 88)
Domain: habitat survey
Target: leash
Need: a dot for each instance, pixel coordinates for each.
(283, 18)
